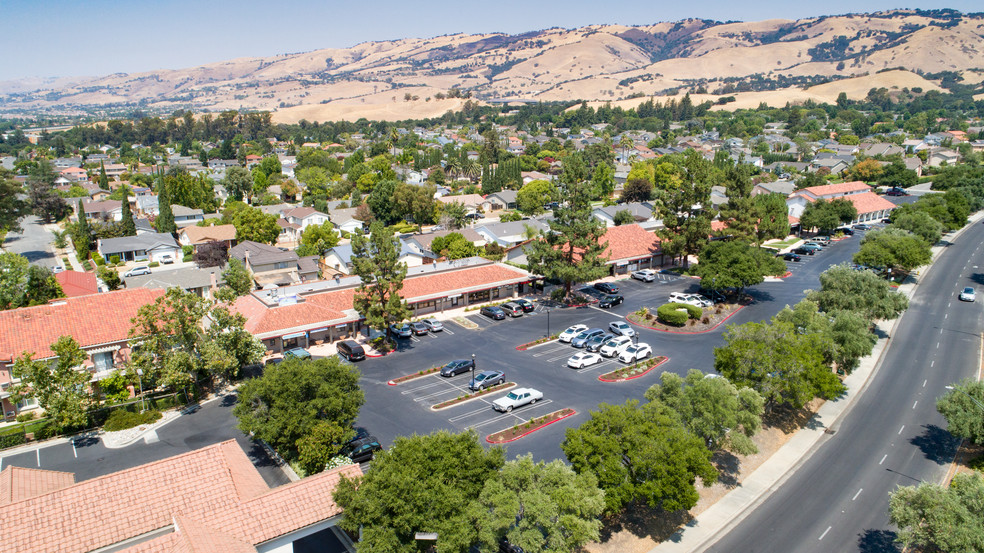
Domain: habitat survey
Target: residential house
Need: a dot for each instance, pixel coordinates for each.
(783, 187)
(272, 266)
(942, 156)
(504, 199)
(200, 281)
(642, 214)
(836, 164)
(304, 217)
(338, 260)
(421, 243)
(474, 203)
(914, 164)
(511, 233)
(186, 216)
(881, 148)
(870, 206)
(115, 170)
(345, 220)
(148, 206)
(107, 210)
(77, 283)
(152, 246)
(195, 236)
(290, 233)
(74, 174)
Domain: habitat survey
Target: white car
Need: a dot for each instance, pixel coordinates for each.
(689, 299)
(583, 359)
(569, 334)
(968, 294)
(57, 269)
(635, 353)
(517, 398)
(645, 275)
(137, 271)
(166, 259)
(621, 328)
(615, 346)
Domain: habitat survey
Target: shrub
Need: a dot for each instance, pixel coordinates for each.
(153, 264)
(86, 265)
(673, 314)
(705, 320)
(46, 431)
(12, 439)
(24, 417)
(100, 261)
(187, 250)
(114, 259)
(188, 258)
(122, 419)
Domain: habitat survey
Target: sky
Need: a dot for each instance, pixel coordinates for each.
(70, 38)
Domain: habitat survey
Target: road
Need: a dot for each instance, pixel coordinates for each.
(837, 499)
(33, 242)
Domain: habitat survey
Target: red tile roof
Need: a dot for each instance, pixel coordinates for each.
(213, 497)
(77, 283)
(92, 320)
(836, 189)
(629, 242)
(18, 484)
(869, 202)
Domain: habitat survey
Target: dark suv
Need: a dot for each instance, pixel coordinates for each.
(606, 287)
(526, 304)
(361, 449)
(493, 312)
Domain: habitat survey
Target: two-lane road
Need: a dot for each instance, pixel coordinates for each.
(837, 499)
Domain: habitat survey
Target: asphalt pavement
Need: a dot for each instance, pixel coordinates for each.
(33, 242)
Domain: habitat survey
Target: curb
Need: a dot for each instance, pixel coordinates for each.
(635, 376)
(505, 386)
(413, 376)
(712, 329)
(528, 346)
(532, 430)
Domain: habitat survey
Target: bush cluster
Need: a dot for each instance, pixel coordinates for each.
(122, 419)
(671, 314)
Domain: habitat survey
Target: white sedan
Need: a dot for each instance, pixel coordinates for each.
(968, 294)
(584, 359)
(517, 398)
(569, 334)
(635, 353)
(621, 328)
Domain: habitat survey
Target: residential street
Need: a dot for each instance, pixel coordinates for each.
(33, 242)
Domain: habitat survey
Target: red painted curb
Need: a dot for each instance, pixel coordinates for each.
(787, 275)
(528, 345)
(414, 375)
(532, 430)
(640, 375)
(722, 321)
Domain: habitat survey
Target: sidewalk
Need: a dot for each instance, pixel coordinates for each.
(732, 508)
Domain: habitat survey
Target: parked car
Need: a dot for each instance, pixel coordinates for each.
(595, 343)
(846, 231)
(791, 256)
(517, 398)
(583, 359)
(813, 246)
(351, 350)
(611, 300)
(968, 294)
(297, 353)
(572, 331)
(474, 216)
(690, 299)
(493, 312)
(822, 240)
(896, 191)
(401, 330)
(704, 300)
(273, 361)
(487, 379)
(361, 450)
(457, 367)
(166, 259)
(433, 325)
(862, 226)
(526, 304)
(137, 271)
(606, 287)
(621, 328)
(713, 295)
(512, 309)
(418, 328)
(615, 346)
(645, 275)
(582, 338)
(635, 353)
(57, 269)
(804, 251)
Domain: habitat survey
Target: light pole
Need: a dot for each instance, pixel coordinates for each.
(140, 383)
(548, 322)
(972, 398)
(473, 372)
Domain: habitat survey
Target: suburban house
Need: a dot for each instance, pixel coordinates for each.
(77, 283)
(152, 246)
(642, 213)
(474, 203)
(339, 259)
(322, 311)
(303, 217)
(272, 266)
(147, 205)
(421, 243)
(114, 170)
(100, 323)
(504, 199)
(511, 233)
(74, 174)
(211, 499)
(289, 232)
(942, 156)
(186, 216)
(345, 221)
(870, 206)
(195, 236)
(783, 187)
(201, 282)
(107, 210)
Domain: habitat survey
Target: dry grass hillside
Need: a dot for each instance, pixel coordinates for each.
(773, 61)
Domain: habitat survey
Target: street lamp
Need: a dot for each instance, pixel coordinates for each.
(140, 383)
(473, 371)
(548, 322)
(972, 398)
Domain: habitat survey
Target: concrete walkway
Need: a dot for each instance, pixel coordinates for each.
(757, 486)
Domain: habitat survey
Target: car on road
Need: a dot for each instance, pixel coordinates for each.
(582, 337)
(635, 353)
(474, 216)
(621, 328)
(419, 328)
(862, 226)
(361, 450)
(645, 275)
(572, 331)
(297, 353)
(584, 359)
(615, 346)
(896, 191)
(350, 350)
(517, 398)
(456, 367)
(526, 304)
(791, 256)
(166, 259)
(433, 325)
(611, 300)
(493, 312)
(595, 343)
(606, 287)
(401, 330)
(804, 251)
(137, 271)
(487, 379)
(968, 294)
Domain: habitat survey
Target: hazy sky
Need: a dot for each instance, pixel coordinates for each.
(46, 38)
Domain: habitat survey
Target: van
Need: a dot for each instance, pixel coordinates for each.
(512, 309)
(351, 350)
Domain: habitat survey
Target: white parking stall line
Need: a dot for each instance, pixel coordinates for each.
(522, 414)
(552, 350)
(552, 359)
(414, 339)
(596, 366)
(457, 418)
(443, 392)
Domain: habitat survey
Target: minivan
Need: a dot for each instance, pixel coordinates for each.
(351, 350)
(512, 309)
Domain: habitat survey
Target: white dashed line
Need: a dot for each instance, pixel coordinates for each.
(901, 429)
(825, 532)
(883, 459)
(914, 404)
(925, 381)
(857, 494)
(930, 366)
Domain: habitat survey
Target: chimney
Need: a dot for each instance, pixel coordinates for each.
(213, 282)
(246, 258)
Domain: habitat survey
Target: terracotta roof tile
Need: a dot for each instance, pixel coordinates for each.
(18, 484)
(869, 202)
(77, 283)
(836, 189)
(630, 242)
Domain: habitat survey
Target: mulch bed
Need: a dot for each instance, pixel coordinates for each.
(631, 372)
(404, 378)
(698, 326)
(473, 395)
(529, 427)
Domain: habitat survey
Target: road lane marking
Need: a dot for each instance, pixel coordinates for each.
(38, 451)
(945, 316)
(937, 345)
(857, 494)
(925, 381)
(901, 429)
(949, 304)
(930, 366)
(825, 532)
(883, 459)
(75, 453)
(914, 404)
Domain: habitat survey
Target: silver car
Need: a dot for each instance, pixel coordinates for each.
(433, 325)
(581, 339)
(645, 275)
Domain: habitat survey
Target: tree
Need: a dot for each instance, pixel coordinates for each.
(828, 215)
(867, 170)
(381, 202)
(713, 409)
(603, 180)
(60, 388)
(896, 174)
(894, 248)
(103, 179)
(12, 208)
(541, 507)
(452, 215)
(421, 484)
(318, 239)
(739, 211)
(453, 246)
(937, 518)
(772, 216)
(686, 210)
(129, 226)
(237, 277)
(42, 286)
(13, 280)
(254, 225)
(44, 201)
(637, 190)
(640, 454)
(919, 223)
(81, 235)
(414, 203)
(732, 264)
(238, 183)
(573, 251)
(849, 333)
(110, 277)
(534, 195)
(211, 254)
(296, 399)
(844, 289)
(623, 217)
(964, 416)
(376, 261)
(165, 217)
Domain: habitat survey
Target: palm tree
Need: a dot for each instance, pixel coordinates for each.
(471, 169)
(452, 167)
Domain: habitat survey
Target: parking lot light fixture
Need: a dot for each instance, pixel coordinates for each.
(473, 371)
(972, 398)
(548, 321)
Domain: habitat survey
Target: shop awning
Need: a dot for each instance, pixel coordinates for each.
(103, 349)
(294, 335)
(322, 329)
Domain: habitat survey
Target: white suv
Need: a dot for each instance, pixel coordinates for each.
(689, 299)
(615, 346)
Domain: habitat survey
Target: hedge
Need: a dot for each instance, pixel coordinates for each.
(670, 313)
(122, 419)
(12, 439)
(98, 259)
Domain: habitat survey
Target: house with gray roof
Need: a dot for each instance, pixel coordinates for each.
(339, 258)
(511, 233)
(151, 246)
(783, 187)
(421, 243)
(186, 216)
(344, 220)
(504, 199)
(642, 213)
(271, 265)
(202, 282)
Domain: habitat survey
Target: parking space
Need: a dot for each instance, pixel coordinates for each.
(485, 420)
(433, 389)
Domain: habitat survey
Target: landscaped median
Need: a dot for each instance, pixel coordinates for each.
(637, 370)
(474, 395)
(528, 427)
(692, 323)
(537, 342)
(404, 378)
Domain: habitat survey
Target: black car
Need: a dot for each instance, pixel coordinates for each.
(526, 304)
(457, 366)
(713, 295)
(493, 312)
(418, 328)
(896, 191)
(805, 251)
(486, 379)
(862, 226)
(791, 256)
(361, 450)
(611, 300)
(606, 287)
(846, 231)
